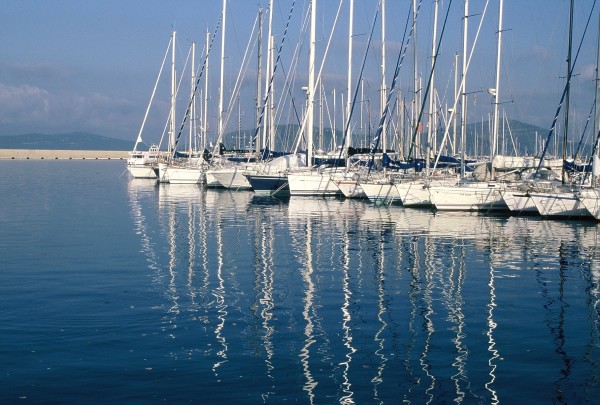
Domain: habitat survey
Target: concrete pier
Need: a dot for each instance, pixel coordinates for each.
(38, 154)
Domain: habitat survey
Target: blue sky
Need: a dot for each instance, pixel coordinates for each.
(74, 65)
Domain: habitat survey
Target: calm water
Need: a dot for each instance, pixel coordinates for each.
(120, 290)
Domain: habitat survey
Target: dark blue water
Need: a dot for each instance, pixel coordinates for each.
(117, 290)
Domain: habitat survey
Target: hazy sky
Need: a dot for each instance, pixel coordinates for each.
(75, 65)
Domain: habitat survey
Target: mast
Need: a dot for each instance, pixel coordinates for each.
(205, 124)
(311, 83)
(220, 129)
(193, 112)
(267, 118)
(463, 107)
(349, 88)
(383, 93)
(173, 91)
(415, 112)
(496, 93)
(430, 123)
(456, 90)
(596, 129)
(271, 98)
(259, 75)
(566, 128)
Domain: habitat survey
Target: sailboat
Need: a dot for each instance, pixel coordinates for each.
(141, 164)
(470, 194)
(309, 182)
(186, 167)
(563, 200)
(228, 169)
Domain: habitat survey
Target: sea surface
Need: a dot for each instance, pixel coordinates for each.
(114, 290)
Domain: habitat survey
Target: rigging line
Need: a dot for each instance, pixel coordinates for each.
(268, 92)
(584, 131)
(591, 160)
(289, 91)
(435, 59)
(287, 85)
(293, 67)
(139, 138)
(562, 98)
(462, 84)
(358, 82)
(288, 82)
(399, 63)
(320, 71)
(188, 111)
(238, 83)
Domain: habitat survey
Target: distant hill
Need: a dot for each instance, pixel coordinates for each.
(525, 138)
(513, 134)
(68, 141)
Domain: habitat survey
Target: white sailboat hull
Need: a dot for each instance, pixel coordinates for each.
(381, 192)
(559, 205)
(173, 174)
(485, 197)
(232, 178)
(312, 184)
(591, 201)
(141, 171)
(351, 188)
(519, 202)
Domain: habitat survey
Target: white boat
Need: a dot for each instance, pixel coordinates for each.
(517, 199)
(188, 171)
(313, 183)
(233, 177)
(562, 203)
(415, 193)
(350, 187)
(590, 198)
(469, 196)
(141, 164)
(271, 178)
(381, 191)
(519, 202)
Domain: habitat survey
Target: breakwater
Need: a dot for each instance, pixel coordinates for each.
(37, 154)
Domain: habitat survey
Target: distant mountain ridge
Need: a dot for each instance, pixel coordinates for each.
(67, 141)
(513, 135)
(526, 139)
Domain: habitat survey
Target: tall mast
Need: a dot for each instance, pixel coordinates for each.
(349, 87)
(271, 99)
(267, 119)
(205, 124)
(383, 95)
(463, 107)
(311, 82)
(222, 67)
(415, 113)
(497, 89)
(193, 112)
(173, 91)
(259, 75)
(596, 82)
(456, 90)
(430, 124)
(566, 128)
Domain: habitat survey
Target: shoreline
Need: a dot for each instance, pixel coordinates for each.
(55, 154)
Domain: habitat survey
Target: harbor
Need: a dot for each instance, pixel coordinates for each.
(115, 289)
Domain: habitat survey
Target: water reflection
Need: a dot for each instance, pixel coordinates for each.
(324, 298)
